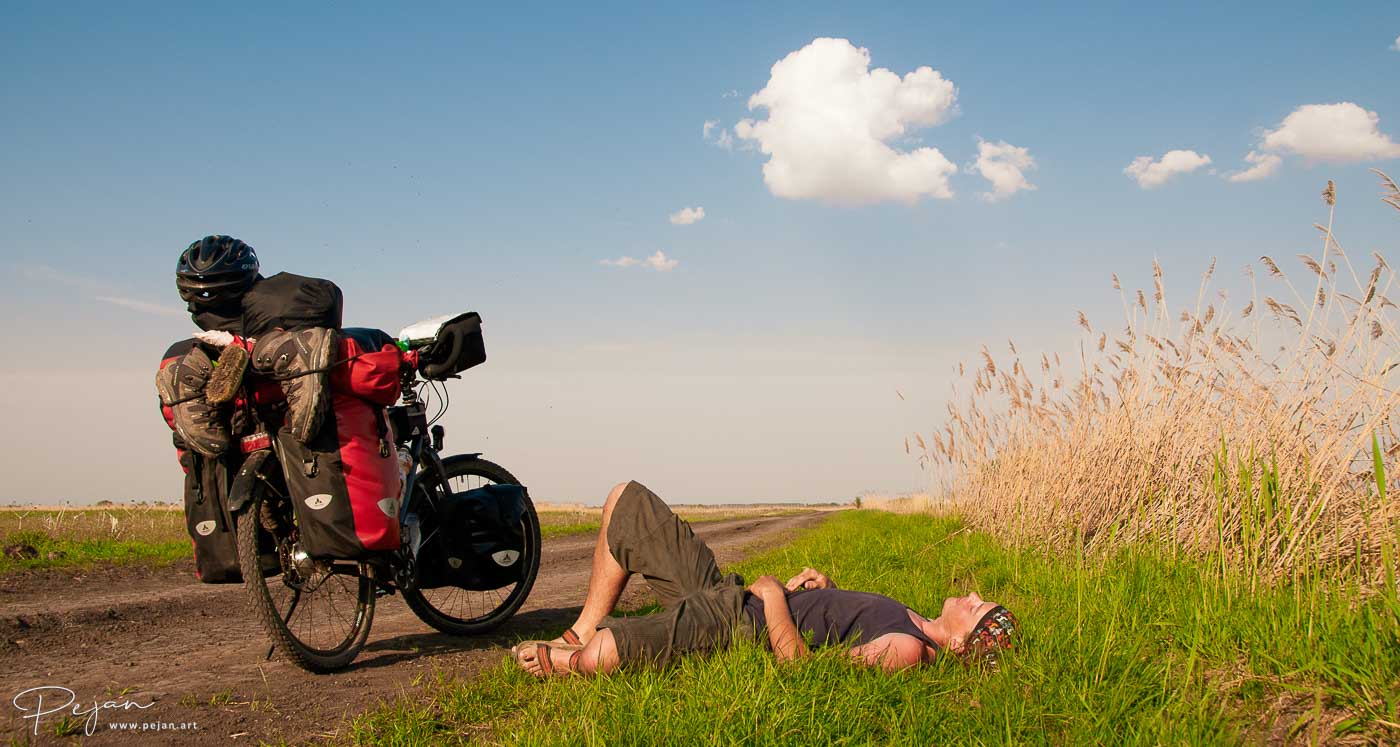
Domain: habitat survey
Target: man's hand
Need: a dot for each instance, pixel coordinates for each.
(783, 636)
(766, 586)
(810, 578)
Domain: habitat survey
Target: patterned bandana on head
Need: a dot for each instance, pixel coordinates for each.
(991, 634)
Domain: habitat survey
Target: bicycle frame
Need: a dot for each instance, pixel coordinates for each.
(410, 424)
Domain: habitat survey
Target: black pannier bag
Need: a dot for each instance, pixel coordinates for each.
(208, 521)
(291, 302)
(213, 534)
(475, 540)
(458, 346)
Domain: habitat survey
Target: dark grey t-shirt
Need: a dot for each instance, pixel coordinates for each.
(830, 616)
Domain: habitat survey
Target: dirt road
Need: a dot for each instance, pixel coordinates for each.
(156, 636)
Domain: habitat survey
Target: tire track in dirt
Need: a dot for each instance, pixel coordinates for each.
(157, 635)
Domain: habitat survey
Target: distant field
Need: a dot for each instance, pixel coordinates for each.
(561, 519)
(155, 533)
(91, 535)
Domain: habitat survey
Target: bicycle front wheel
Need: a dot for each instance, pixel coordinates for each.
(458, 611)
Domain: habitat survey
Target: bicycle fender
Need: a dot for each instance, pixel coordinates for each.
(242, 488)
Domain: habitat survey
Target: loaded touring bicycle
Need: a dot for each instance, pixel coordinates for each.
(370, 507)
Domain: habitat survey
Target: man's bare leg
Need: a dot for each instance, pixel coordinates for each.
(606, 583)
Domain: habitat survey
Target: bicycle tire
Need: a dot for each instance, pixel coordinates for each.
(260, 594)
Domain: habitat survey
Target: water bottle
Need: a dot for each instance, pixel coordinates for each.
(405, 466)
(415, 533)
(411, 525)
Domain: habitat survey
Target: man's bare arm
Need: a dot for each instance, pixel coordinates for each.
(891, 652)
(783, 635)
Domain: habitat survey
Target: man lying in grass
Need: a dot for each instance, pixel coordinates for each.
(702, 609)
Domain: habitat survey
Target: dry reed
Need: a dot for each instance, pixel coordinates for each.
(1245, 437)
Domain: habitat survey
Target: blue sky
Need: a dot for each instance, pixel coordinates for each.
(460, 157)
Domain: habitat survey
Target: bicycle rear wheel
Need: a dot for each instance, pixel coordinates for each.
(317, 613)
(458, 611)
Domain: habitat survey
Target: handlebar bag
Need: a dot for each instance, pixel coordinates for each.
(291, 302)
(457, 347)
(478, 540)
(344, 484)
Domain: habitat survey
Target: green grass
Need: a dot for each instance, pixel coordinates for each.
(564, 523)
(1140, 648)
(88, 537)
(62, 552)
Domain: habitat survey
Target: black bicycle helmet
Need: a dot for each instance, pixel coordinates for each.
(215, 271)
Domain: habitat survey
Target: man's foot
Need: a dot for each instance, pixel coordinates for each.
(181, 387)
(570, 638)
(517, 648)
(299, 360)
(547, 660)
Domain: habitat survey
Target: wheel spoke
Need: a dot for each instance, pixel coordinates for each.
(318, 616)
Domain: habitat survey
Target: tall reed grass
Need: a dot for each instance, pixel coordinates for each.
(1258, 434)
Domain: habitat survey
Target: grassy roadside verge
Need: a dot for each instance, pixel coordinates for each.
(78, 538)
(1139, 647)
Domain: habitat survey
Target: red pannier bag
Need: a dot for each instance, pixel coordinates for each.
(345, 483)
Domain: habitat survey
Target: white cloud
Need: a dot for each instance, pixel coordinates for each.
(1339, 133)
(732, 93)
(1331, 132)
(687, 215)
(1004, 165)
(658, 262)
(1265, 164)
(830, 119)
(1396, 45)
(620, 262)
(143, 306)
(711, 132)
(100, 290)
(1149, 173)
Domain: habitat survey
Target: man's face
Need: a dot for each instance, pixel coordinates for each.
(963, 613)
